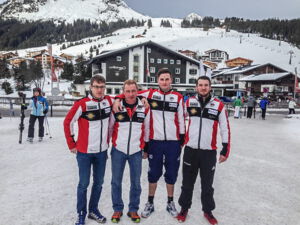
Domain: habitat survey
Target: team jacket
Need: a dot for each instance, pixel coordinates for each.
(93, 121)
(166, 115)
(203, 125)
(38, 105)
(129, 128)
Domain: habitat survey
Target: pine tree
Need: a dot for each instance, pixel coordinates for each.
(68, 71)
(149, 24)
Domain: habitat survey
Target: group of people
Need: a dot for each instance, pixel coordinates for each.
(147, 124)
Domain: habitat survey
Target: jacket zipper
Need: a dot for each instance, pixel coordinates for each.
(164, 121)
(101, 130)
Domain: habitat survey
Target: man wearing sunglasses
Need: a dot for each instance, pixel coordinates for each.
(92, 114)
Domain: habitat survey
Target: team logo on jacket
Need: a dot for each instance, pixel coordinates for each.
(90, 116)
(120, 117)
(172, 98)
(193, 111)
(154, 104)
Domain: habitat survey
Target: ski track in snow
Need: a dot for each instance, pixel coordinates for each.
(258, 185)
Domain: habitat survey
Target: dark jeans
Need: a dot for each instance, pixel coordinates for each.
(249, 112)
(204, 162)
(85, 162)
(291, 111)
(32, 120)
(118, 162)
(263, 113)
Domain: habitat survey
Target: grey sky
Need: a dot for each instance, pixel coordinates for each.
(251, 9)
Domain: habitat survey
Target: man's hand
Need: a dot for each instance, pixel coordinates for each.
(145, 155)
(117, 106)
(222, 158)
(73, 150)
(145, 102)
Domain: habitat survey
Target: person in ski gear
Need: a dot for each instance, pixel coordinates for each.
(292, 105)
(129, 130)
(92, 114)
(251, 103)
(39, 108)
(167, 130)
(205, 113)
(237, 104)
(263, 105)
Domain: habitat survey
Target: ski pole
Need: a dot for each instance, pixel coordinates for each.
(46, 119)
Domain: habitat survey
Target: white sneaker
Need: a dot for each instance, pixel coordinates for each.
(172, 209)
(149, 208)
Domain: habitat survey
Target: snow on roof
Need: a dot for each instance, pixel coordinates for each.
(265, 77)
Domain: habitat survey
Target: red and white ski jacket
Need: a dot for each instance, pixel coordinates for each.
(129, 128)
(167, 114)
(203, 125)
(93, 121)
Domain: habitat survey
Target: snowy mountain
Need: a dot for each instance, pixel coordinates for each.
(68, 10)
(193, 16)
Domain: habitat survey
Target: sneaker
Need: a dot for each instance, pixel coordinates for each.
(96, 215)
(30, 139)
(80, 219)
(116, 217)
(40, 139)
(171, 209)
(149, 208)
(134, 217)
(181, 217)
(210, 218)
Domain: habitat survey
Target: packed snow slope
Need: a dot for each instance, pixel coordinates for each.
(258, 185)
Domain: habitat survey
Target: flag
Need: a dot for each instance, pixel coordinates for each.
(208, 73)
(53, 76)
(201, 69)
(147, 66)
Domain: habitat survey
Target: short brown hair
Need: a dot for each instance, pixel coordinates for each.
(203, 78)
(98, 79)
(163, 70)
(129, 82)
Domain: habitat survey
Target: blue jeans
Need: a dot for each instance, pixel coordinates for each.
(85, 162)
(118, 161)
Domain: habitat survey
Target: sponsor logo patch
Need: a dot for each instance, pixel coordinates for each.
(193, 111)
(154, 104)
(91, 107)
(171, 104)
(156, 97)
(107, 110)
(213, 111)
(140, 115)
(90, 116)
(120, 117)
(194, 104)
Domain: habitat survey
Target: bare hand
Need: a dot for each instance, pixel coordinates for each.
(73, 150)
(117, 106)
(145, 155)
(222, 158)
(145, 103)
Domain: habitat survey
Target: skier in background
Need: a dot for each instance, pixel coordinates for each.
(237, 104)
(263, 105)
(39, 108)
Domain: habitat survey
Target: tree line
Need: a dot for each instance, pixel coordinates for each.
(15, 34)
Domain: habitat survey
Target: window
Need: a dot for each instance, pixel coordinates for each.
(165, 61)
(149, 50)
(152, 69)
(192, 81)
(152, 79)
(159, 61)
(178, 61)
(136, 69)
(136, 58)
(117, 91)
(171, 61)
(236, 78)
(177, 71)
(119, 58)
(108, 91)
(151, 60)
(177, 80)
(193, 71)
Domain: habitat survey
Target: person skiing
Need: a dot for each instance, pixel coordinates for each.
(129, 129)
(291, 106)
(92, 114)
(39, 108)
(205, 113)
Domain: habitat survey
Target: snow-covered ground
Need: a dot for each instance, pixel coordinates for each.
(258, 185)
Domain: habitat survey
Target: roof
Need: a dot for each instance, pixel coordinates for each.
(113, 52)
(229, 60)
(265, 77)
(243, 69)
(213, 50)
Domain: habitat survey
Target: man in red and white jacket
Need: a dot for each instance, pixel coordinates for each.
(92, 113)
(205, 114)
(167, 130)
(129, 129)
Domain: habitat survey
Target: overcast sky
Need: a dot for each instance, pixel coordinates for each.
(251, 9)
